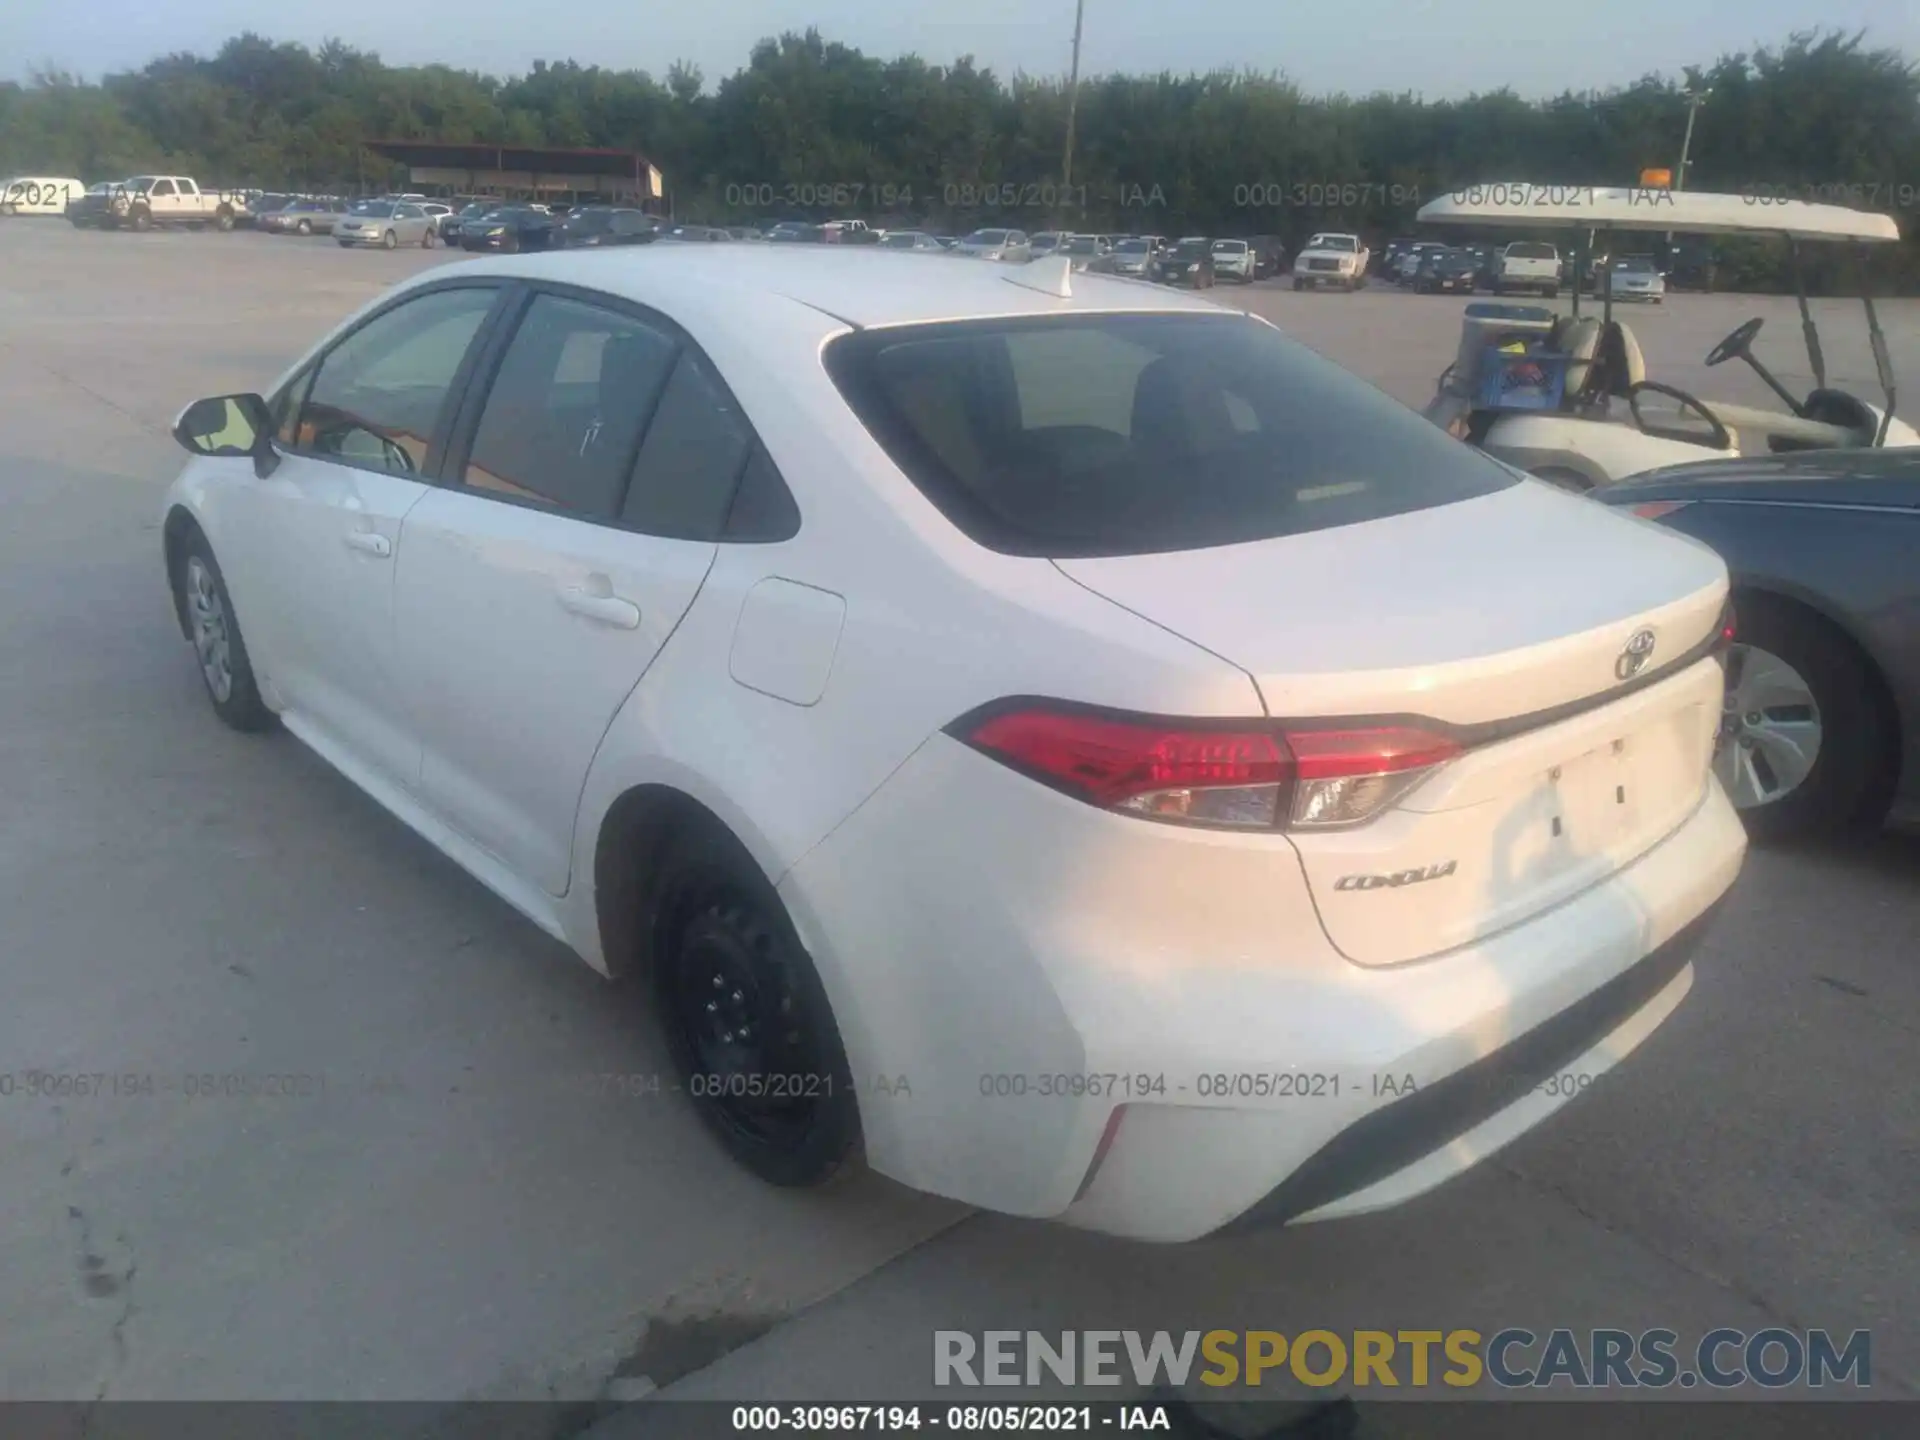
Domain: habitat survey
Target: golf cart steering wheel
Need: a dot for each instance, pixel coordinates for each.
(1736, 345)
(1721, 439)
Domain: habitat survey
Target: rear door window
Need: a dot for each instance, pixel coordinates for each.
(1132, 434)
(564, 414)
(688, 466)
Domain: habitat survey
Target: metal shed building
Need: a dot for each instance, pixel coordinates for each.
(622, 176)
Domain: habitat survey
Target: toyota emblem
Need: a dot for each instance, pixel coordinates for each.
(1634, 658)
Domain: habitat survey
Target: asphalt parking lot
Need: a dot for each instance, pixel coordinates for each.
(447, 1203)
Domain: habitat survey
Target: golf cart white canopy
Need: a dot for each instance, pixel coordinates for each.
(1587, 207)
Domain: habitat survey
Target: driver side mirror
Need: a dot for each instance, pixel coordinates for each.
(229, 425)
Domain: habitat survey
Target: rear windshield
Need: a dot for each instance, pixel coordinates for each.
(1333, 242)
(1132, 247)
(1229, 247)
(1089, 435)
(987, 237)
(1531, 250)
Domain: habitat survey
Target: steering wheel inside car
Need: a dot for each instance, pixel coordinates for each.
(1720, 439)
(1736, 345)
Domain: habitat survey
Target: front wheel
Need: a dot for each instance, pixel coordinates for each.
(1806, 741)
(747, 1020)
(389, 240)
(303, 228)
(224, 666)
(141, 220)
(223, 221)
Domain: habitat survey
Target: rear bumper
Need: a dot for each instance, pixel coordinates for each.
(1032, 968)
(1392, 1142)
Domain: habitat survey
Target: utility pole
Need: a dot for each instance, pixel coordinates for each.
(1073, 103)
(1695, 99)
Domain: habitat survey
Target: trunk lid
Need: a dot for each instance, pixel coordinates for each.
(1506, 620)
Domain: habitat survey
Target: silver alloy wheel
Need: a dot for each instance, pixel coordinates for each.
(1770, 729)
(208, 617)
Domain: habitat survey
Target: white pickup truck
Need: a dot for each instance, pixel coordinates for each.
(1528, 265)
(145, 201)
(1331, 258)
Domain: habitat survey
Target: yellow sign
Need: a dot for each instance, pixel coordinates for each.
(1657, 179)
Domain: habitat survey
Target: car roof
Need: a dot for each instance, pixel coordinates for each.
(863, 286)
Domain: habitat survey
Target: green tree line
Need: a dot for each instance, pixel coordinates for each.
(809, 126)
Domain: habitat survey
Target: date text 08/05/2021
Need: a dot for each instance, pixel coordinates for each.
(964, 1419)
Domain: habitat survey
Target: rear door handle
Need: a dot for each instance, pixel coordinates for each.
(596, 601)
(372, 542)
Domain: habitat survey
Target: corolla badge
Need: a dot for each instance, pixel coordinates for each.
(1397, 878)
(1634, 658)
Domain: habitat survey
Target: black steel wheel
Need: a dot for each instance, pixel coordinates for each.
(747, 1021)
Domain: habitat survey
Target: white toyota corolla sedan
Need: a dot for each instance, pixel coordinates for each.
(1083, 751)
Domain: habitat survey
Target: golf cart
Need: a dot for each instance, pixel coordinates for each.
(1539, 389)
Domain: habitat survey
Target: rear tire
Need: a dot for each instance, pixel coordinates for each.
(1850, 782)
(426, 240)
(223, 221)
(747, 1020)
(141, 220)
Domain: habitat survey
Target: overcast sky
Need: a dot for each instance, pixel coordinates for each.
(1439, 47)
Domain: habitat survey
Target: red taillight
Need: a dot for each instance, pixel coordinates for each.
(1385, 750)
(1247, 775)
(1659, 509)
(1729, 628)
(1216, 775)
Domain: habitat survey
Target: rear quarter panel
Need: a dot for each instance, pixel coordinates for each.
(933, 627)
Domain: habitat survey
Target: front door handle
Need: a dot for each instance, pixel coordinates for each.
(596, 601)
(371, 541)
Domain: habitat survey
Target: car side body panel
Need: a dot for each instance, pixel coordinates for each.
(910, 585)
(1857, 568)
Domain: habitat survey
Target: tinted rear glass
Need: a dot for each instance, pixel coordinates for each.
(1134, 434)
(1531, 250)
